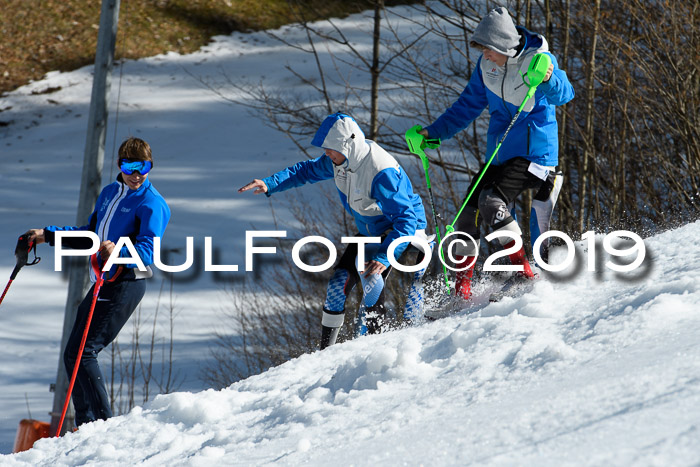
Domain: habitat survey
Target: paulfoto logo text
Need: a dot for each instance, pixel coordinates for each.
(638, 249)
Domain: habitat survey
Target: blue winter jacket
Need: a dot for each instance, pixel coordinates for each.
(534, 135)
(120, 211)
(372, 186)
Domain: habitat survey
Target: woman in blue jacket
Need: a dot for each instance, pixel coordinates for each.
(129, 207)
(528, 156)
(376, 191)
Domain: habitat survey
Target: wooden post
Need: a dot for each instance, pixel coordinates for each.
(375, 70)
(89, 189)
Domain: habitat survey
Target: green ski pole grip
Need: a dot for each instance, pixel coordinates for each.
(539, 66)
(416, 144)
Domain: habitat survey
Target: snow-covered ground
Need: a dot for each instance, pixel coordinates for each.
(598, 369)
(590, 371)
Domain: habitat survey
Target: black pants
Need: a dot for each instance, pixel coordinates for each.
(499, 187)
(116, 302)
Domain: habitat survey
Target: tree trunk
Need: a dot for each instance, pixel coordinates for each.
(374, 71)
(589, 147)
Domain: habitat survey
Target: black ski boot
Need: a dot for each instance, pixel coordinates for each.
(328, 336)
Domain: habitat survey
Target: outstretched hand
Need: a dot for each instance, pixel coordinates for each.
(256, 184)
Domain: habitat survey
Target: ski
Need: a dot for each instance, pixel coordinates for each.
(515, 285)
(490, 289)
(451, 304)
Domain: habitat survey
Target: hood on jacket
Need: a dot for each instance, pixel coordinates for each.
(531, 40)
(340, 132)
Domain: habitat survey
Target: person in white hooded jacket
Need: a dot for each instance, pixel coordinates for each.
(375, 189)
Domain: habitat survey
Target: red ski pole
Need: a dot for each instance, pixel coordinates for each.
(7, 287)
(24, 246)
(95, 293)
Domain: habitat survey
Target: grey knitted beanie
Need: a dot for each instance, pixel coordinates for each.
(497, 32)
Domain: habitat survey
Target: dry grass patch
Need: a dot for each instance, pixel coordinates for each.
(37, 36)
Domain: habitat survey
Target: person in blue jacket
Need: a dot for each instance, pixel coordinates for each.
(377, 192)
(529, 154)
(129, 207)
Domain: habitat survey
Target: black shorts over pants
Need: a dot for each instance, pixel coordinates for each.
(500, 186)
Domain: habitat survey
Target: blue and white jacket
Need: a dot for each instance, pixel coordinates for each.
(120, 211)
(372, 186)
(534, 135)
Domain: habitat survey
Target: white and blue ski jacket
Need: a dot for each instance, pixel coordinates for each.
(372, 186)
(534, 135)
(120, 211)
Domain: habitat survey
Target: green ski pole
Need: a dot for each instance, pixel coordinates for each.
(535, 74)
(416, 144)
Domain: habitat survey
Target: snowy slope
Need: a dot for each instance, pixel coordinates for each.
(591, 371)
